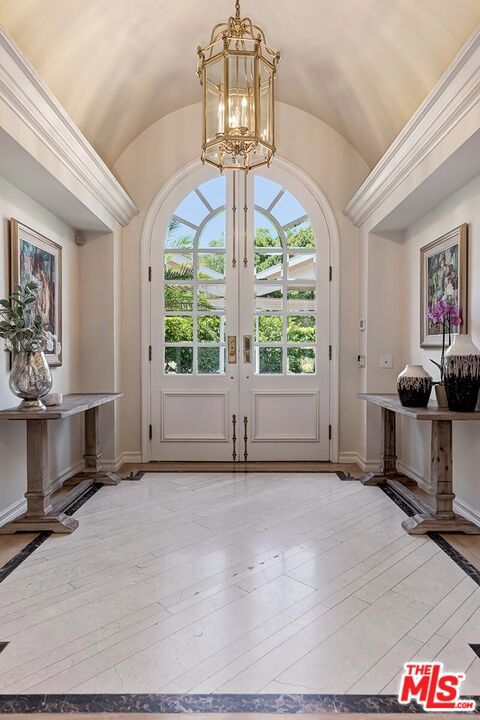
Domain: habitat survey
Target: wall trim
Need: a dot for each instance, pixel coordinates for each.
(409, 471)
(457, 91)
(20, 506)
(467, 511)
(31, 100)
(351, 457)
(130, 457)
(145, 286)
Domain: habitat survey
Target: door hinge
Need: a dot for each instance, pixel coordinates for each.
(150, 273)
(329, 432)
(330, 273)
(330, 353)
(150, 432)
(150, 353)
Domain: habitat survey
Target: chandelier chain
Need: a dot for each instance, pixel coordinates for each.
(237, 9)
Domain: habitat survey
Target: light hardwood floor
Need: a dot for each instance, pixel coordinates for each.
(235, 582)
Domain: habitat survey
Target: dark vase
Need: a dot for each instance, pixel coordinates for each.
(414, 386)
(462, 374)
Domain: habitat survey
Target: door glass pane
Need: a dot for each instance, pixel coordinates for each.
(301, 267)
(268, 329)
(301, 329)
(178, 329)
(214, 191)
(179, 235)
(178, 297)
(268, 266)
(178, 360)
(210, 329)
(210, 297)
(213, 234)
(192, 209)
(268, 298)
(269, 360)
(300, 299)
(301, 361)
(301, 235)
(265, 191)
(266, 234)
(287, 209)
(211, 266)
(178, 266)
(211, 360)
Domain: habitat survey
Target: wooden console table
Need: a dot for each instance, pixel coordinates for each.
(41, 515)
(441, 516)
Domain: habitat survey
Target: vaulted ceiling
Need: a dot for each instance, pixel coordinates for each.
(362, 66)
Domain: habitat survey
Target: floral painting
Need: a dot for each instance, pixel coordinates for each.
(443, 279)
(35, 257)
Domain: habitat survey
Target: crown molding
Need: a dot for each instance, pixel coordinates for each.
(29, 98)
(457, 91)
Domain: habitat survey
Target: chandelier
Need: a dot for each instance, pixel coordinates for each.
(237, 73)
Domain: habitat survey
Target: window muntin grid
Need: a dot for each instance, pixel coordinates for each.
(285, 298)
(194, 303)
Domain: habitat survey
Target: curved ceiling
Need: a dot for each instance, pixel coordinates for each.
(362, 66)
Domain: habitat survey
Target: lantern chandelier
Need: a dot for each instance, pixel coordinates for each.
(237, 73)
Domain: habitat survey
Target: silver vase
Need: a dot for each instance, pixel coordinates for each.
(30, 379)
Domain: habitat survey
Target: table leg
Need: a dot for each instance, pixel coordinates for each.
(389, 455)
(443, 517)
(40, 515)
(93, 456)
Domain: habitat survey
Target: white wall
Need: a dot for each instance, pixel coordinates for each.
(65, 436)
(173, 142)
(462, 207)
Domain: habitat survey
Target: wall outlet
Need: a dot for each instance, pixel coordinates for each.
(386, 362)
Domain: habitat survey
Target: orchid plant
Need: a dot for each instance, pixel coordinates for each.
(447, 315)
(21, 327)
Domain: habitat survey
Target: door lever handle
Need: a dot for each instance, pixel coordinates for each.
(247, 349)
(232, 349)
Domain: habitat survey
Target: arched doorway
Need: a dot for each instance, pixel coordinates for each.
(239, 319)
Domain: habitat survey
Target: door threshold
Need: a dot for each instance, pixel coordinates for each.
(249, 466)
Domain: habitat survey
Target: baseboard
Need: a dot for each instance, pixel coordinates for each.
(414, 474)
(354, 458)
(19, 507)
(467, 511)
(132, 457)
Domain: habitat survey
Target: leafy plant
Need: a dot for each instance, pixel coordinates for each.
(21, 327)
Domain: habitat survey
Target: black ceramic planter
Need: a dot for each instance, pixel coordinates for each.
(414, 386)
(462, 374)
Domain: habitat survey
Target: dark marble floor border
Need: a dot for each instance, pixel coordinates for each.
(442, 543)
(280, 704)
(34, 544)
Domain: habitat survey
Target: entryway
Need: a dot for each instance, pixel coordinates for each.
(240, 348)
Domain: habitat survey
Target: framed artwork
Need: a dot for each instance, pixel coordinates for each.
(33, 256)
(443, 276)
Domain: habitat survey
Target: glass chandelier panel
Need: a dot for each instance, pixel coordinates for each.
(237, 72)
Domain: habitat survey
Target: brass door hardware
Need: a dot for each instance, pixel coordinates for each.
(232, 349)
(247, 349)
(234, 437)
(245, 438)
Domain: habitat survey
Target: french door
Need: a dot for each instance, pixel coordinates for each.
(240, 322)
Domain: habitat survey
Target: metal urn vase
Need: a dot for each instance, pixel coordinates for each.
(30, 379)
(462, 374)
(414, 386)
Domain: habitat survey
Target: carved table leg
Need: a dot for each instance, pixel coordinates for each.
(389, 455)
(443, 517)
(93, 456)
(41, 515)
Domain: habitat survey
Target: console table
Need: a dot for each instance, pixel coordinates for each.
(441, 516)
(41, 514)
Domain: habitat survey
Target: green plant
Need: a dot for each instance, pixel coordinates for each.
(21, 327)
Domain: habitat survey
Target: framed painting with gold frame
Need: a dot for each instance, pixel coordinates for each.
(443, 276)
(33, 256)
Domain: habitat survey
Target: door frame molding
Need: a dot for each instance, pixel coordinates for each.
(196, 168)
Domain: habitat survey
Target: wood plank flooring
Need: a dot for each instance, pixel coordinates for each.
(235, 583)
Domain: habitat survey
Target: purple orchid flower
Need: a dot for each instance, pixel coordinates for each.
(448, 315)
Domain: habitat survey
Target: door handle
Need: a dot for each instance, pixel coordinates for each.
(232, 349)
(234, 437)
(247, 349)
(245, 438)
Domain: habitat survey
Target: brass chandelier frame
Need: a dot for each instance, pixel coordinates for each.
(235, 146)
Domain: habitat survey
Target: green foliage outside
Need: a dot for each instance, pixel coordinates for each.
(268, 329)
